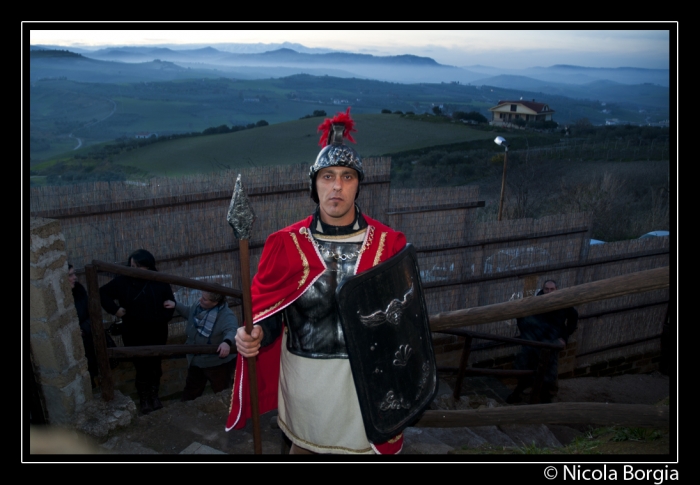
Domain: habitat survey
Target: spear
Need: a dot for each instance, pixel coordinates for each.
(240, 218)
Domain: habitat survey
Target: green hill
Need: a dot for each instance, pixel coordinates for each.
(289, 143)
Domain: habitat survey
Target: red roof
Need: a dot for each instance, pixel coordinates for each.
(536, 107)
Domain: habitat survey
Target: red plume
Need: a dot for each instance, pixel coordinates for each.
(340, 117)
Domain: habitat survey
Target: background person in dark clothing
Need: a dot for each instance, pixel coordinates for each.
(145, 321)
(551, 327)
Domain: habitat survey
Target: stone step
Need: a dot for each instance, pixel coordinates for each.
(428, 441)
(478, 392)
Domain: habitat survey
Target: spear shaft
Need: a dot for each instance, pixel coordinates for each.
(241, 218)
(248, 316)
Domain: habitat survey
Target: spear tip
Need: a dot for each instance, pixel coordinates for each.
(240, 215)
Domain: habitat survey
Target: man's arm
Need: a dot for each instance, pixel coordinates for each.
(182, 309)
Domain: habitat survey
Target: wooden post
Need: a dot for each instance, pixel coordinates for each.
(466, 350)
(591, 413)
(503, 184)
(98, 333)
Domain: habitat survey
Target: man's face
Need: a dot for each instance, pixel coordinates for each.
(206, 301)
(549, 287)
(72, 278)
(336, 187)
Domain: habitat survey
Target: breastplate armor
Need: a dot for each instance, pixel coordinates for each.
(314, 326)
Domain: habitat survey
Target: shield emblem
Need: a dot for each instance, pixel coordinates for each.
(387, 333)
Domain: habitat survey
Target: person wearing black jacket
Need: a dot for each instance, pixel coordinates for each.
(139, 303)
(551, 327)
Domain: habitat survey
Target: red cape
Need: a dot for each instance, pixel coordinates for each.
(289, 265)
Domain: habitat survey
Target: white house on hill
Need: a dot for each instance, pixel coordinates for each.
(507, 111)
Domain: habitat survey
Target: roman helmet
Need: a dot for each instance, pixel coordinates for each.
(334, 152)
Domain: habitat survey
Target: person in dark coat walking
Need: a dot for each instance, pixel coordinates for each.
(139, 303)
(551, 327)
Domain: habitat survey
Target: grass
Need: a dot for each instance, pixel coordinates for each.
(59, 147)
(290, 143)
(636, 434)
(611, 440)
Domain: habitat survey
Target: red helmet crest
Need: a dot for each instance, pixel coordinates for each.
(340, 118)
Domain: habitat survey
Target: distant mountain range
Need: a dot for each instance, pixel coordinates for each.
(635, 87)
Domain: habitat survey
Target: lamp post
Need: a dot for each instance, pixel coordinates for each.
(499, 140)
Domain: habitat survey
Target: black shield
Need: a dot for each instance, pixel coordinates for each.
(387, 332)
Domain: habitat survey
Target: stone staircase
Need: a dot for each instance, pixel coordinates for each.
(196, 428)
(478, 391)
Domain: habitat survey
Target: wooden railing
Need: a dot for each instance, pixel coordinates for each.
(546, 350)
(638, 282)
(602, 414)
(103, 354)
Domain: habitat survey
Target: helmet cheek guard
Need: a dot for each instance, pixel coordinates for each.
(334, 152)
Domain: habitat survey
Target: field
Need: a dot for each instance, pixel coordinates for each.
(291, 142)
(103, 112)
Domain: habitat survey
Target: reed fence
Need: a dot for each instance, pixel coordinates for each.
(182, 221)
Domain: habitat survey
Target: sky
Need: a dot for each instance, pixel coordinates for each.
(517, 48)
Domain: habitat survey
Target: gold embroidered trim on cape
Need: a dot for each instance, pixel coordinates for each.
(304, 261)
(267, 310)
(382, 240)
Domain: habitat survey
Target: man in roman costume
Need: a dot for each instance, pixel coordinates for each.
(302, 357)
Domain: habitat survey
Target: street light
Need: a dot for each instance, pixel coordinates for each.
(499, 140)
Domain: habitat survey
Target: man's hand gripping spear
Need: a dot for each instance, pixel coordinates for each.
(240, 218)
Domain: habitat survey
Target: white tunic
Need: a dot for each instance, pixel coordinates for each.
(317, 402)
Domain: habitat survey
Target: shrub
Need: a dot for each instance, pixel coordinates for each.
(471, 116)
(543, 125)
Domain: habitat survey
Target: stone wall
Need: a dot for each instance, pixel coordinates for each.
(55, 343)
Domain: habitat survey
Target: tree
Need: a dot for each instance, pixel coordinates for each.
(262, 123)
(436, 110)
(386, 111)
